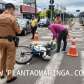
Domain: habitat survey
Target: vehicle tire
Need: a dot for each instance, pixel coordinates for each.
(49, 51)
(39, 26)
(23, 55)
(23, 33)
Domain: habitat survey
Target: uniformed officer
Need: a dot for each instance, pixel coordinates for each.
(8, 27)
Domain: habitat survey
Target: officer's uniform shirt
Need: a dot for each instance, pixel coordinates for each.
(8, 25)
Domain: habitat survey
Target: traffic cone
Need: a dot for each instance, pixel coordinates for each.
(73, 52)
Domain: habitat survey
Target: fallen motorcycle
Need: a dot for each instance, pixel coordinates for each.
(26, 53)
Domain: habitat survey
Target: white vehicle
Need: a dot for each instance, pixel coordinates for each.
(24, 25)
(43, 22)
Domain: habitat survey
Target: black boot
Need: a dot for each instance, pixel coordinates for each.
(11, 80)
(2, 77)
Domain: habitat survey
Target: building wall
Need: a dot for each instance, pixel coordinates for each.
(18, 4)
(0, 0)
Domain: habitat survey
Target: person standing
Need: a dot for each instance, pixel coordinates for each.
(8, 29)
(34, 24)
(60, 33)
(58, 20)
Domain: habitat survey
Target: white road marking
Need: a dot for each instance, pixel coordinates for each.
(3, 81)
(82, 59)
(46, 37)
(17, 67)
(80, 39)
(53, 65)
(82, 65)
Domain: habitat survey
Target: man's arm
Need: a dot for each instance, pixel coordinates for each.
(55, 35)
(16, 27)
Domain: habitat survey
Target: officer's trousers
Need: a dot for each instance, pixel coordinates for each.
(7, 57)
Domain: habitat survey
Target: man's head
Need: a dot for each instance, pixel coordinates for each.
(10, 7)
(58, 19)
(33, 17)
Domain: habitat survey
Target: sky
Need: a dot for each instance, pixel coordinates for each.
(71, 5)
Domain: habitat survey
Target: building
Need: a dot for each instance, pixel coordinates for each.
(27, 11)
(29, 2)
(17, 4)
(24, 8)
(30, 8)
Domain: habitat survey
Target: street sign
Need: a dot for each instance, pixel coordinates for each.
(51, 7)
(77, 10)
(51, 1)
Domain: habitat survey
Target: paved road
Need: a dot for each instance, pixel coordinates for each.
(61, 69)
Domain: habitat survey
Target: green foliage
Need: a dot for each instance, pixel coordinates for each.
(42, 14)
(48, 13)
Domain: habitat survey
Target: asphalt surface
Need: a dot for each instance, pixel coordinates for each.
(73, 64)
(67, 69)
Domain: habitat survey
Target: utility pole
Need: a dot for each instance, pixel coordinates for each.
(64, 10)
(35, 8)
(51, 7)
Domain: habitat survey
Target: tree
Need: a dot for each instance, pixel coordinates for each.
(48, 13)
(38, 15)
